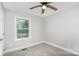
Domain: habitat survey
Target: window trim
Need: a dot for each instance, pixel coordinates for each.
(16, 39)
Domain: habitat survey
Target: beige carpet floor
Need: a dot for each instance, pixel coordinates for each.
(40, 50)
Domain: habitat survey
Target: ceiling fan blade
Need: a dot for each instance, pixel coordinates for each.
(49, 2)
(43, 10)
(52, 7)
(35, 6)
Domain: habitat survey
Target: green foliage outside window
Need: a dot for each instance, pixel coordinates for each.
(22, 28)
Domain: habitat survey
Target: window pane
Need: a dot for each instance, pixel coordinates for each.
(22, 33)
(21, 23)
(22, 28)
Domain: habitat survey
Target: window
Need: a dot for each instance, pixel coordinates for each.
(22, 28)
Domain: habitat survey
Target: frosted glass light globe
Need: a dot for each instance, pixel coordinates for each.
(44, 6)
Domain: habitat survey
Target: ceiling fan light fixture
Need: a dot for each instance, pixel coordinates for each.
(44, 7)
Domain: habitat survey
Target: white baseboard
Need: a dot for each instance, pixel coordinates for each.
(60, 47)
(54, 45)
(18, 48)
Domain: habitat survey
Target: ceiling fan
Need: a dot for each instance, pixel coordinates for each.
(45, 5)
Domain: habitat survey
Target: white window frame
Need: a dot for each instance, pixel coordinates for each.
(16, 39)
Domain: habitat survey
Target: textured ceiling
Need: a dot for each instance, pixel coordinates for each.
(24, 7)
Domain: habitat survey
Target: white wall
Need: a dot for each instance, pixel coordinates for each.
(1, 20)
(1, 28)
(62, 28)
(36, 30)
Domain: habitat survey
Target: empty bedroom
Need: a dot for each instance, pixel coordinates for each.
(39, 28)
